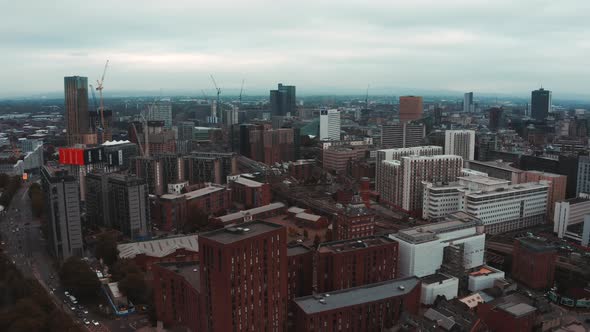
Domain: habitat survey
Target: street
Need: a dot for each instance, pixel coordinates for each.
(23, 241)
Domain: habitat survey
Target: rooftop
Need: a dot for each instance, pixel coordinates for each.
(235, 234)
(496, 164)
(354, 244)
(295, 209)
(248, 182)
(546, 174)
(188, 270)
(160, 247)
(436, 278)
(485, 180)
(297, 249)
(449, 223)
(536, 244)
(308, 216)
(484, 271)
(195, 193)
(510, 189)
(356, 296)
(241, 214)
(517, 309)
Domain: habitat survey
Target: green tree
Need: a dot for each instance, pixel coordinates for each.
(78, 278)
(106, 249)
(122, 268)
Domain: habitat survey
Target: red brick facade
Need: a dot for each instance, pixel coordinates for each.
(251, 196)
(533, 263)
(352, 263)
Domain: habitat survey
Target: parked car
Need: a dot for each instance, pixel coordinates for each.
(95, 323)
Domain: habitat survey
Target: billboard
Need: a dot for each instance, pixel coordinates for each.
(71, 156)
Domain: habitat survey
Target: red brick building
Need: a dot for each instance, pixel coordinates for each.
(168, 250)
(369, 308)
(250, 193)
(352, 263)
(176, 294)
(507, 316)
(533, 262)
(174, 209)
(244, 278)
(299, 274)
(557, 188)
(302, 169)
(354, 221)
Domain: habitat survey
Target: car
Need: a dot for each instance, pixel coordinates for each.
(73, 308)
(51, 276)
(95, 323)
(85, 311)
(86, 321)
(66, 293)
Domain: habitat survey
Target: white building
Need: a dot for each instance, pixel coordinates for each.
(161, 111)
(438, 285)
(483, 278)
(569, 213)
(421, 248)
(461, 143)
(330, 125)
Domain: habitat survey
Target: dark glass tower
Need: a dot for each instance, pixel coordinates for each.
(540, 104)
(282, 100)
(76, 101)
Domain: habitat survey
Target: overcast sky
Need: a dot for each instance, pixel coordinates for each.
(500, 46)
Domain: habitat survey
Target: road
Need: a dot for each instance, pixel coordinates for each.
(24, 243)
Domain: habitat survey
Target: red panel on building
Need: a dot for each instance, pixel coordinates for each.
(71, 156)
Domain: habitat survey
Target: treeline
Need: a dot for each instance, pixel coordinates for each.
(25, 306)
(9, 185)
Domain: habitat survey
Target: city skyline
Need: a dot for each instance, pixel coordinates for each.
(330, 47)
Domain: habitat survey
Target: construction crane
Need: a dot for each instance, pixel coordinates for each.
(99, 88)
(218, 106)
(93, 97)
(241, 90)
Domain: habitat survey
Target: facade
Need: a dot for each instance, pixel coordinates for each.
(146, 254)
(410, 108)
(354, 221)
(299, 275)
(283, 101)
(62, 200)
(468, 105)
(484, 278)
(402, 135)
(356, 262)
(128, 205)
(244, 278)
(557, 188)
(161, 111)
(338, 159)
(260, 212)
(569, 213)
(330, 125)
(177, 295)
(497, 169)
(533, 262)
(215, 167)
(250, 193)
(460, 143)
(436, 285)
(540, 104)
(583, 181)
(368, 308)
(186, 130)
(76, 112)
(421, 248)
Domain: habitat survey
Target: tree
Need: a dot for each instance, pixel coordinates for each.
(78, 278)
(134, 287)
(122, 268)
(106, 249)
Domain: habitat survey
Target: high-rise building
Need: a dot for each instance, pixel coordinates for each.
(283, 101)
(410, 108)
(583, 183)
(557, 188)
(186, 130)
(62, 200)
(355, 262)
(244, 278)
(76, 113)
(495, 118)
(460, 143)
(533, 262)
(161, 111)
(330, 125)
(128, 205)
(540, 104)
(402, 135)
(468, 105)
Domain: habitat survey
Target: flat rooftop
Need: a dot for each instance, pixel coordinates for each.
(536, 244)
(354, 244)
(252, 212)
(509, 189)
(188, 270)
(517, 309)
(484, 271)
(549, 175)
(356, 296)
(485, 180)
(244, 231)
(297, 249)
(195, 193)
(449, 223)
(248, 182)
(436, 278)
(496, 164)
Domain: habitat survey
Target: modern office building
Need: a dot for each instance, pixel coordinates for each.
(583, 183)
(402, 180)
(410, 108)
(568, 213)
(355, 262)
(62, 207)
(330, 125)
(468, 105)
(438, 284)
(283, 101)
(460, 143)
(373, 307)
(421, 247)
(540, 104)
(161, 111)
(402, 135)
(76, 112)
(244, 278)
